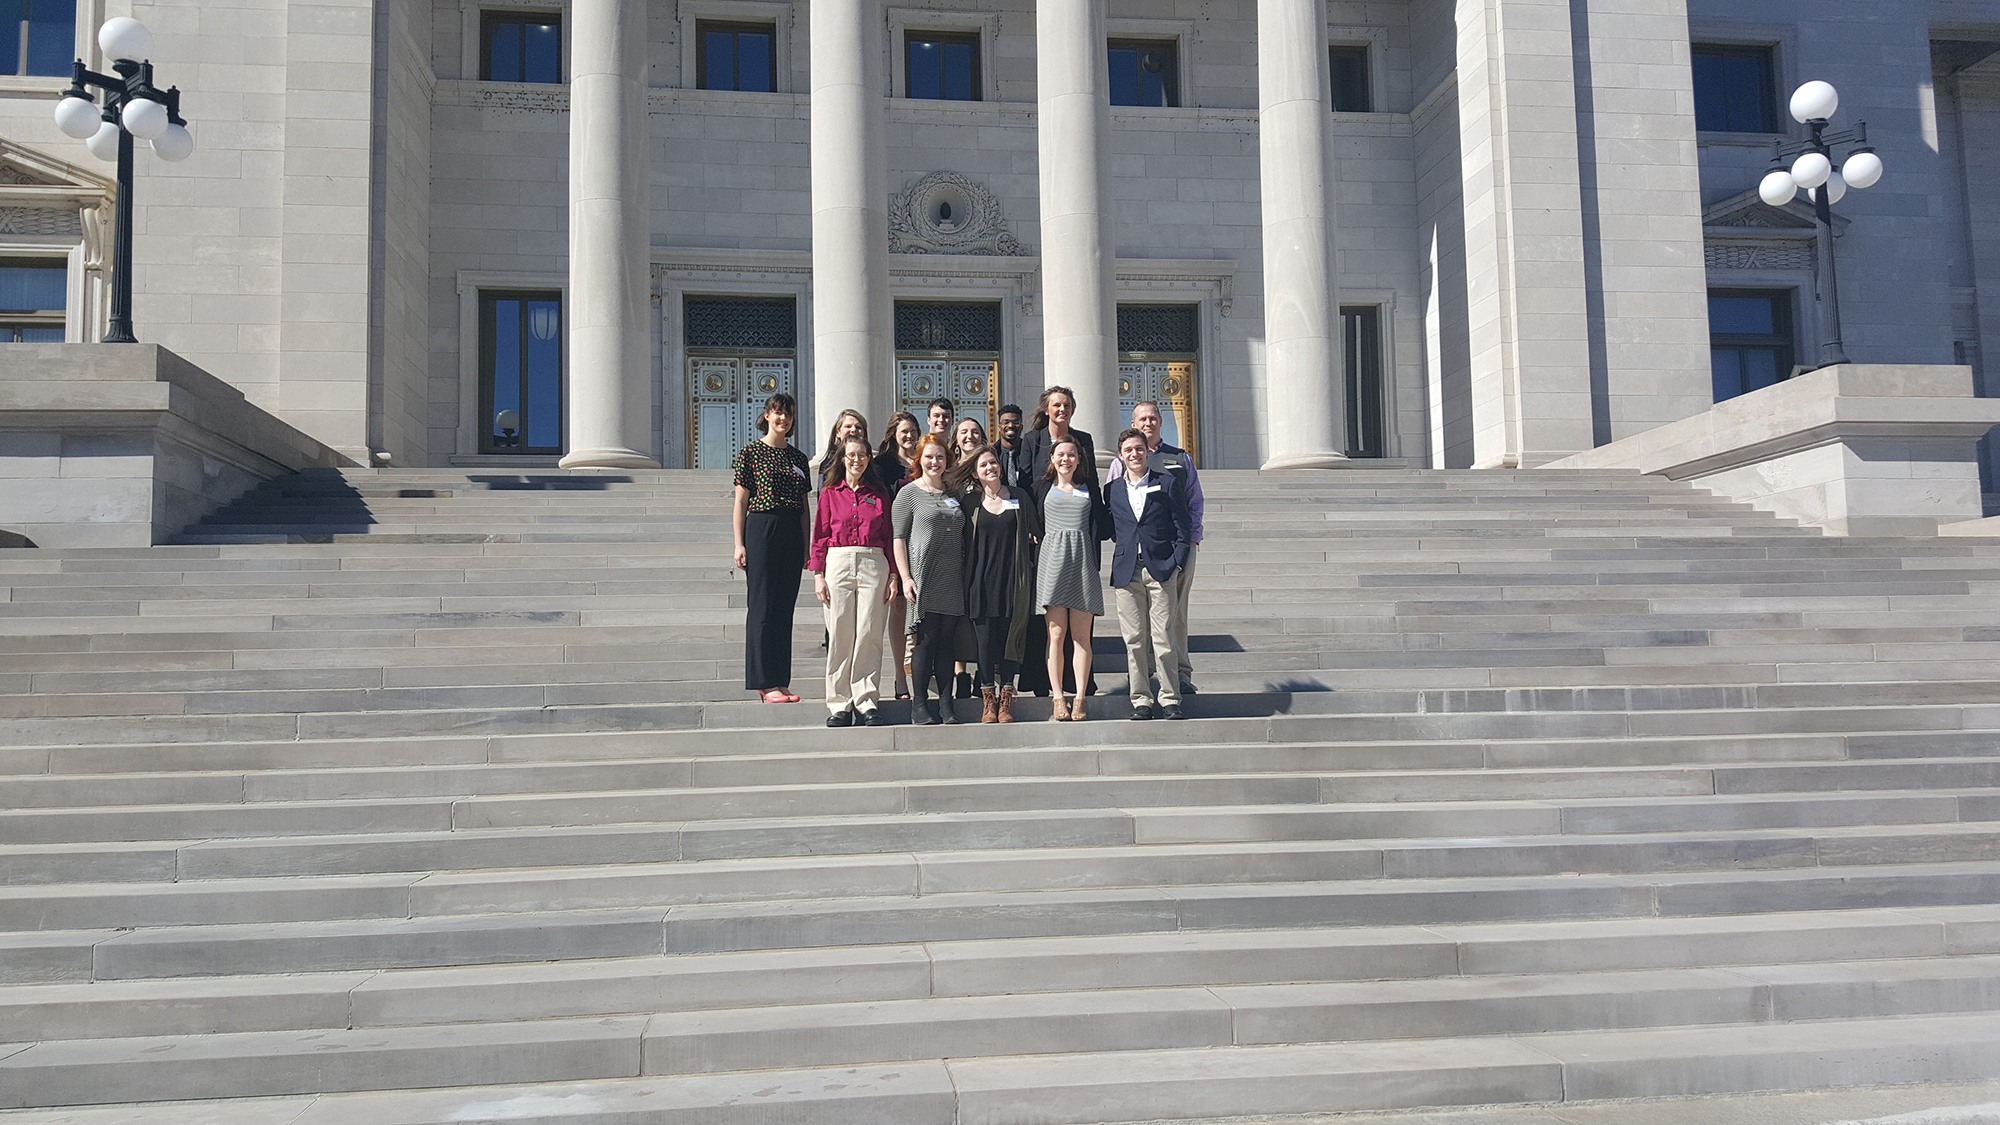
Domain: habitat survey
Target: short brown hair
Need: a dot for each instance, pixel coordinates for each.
(779, 401)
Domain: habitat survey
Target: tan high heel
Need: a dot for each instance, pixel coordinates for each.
(1078, 710)
(1058, 710)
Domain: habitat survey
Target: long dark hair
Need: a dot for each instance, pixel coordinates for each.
(836, 465)
(889, 448)
(963, 477)
(829, 461)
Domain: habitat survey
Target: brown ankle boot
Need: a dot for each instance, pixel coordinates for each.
(987, 706)
(1007, 704)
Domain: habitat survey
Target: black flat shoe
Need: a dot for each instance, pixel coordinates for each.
(1143, 712)
(840, 719)
(950, 714)
(1171, 713)
(1187, 687)
(923, 714)
(872, 718)
(962, 688)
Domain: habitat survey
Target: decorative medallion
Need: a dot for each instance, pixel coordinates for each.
(946, 213)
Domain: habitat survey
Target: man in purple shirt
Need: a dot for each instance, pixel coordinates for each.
(1173, 460)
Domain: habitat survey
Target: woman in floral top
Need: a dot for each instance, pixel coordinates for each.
(772, 527)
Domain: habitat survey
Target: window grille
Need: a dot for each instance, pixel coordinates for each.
(939, 326)
(740, 322)
(1158, 328)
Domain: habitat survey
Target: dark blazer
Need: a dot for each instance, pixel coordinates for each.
(1036, 445)
(1163, 532)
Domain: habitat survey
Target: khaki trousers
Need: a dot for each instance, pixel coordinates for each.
(1145, 617)
(857, 579)
(1182, 584)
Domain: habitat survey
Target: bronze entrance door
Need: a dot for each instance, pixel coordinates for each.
(950, 350)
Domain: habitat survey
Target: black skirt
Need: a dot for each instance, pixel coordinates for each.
(774, 548)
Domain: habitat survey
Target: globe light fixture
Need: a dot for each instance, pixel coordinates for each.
(1834, 187)
(1811, 170)
(1862, 170)
(1778, 187)
(1815, 101)
(133, 108)
(174, 145)
(1812, 167)
(144, 118)
(123, 37)
(77, 117)
(103, 143)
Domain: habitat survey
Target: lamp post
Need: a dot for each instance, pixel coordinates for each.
(133, 107)
(1824, 182)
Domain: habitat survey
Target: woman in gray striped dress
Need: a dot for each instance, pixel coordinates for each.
(930, 529)
(1066, 583)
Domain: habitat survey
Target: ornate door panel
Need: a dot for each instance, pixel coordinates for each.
(1169, 383)
(971, 384)
(725, 396)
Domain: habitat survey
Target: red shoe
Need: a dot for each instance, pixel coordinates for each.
(778, 695)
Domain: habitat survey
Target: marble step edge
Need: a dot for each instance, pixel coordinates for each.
(368, 922)
(1189, 1084)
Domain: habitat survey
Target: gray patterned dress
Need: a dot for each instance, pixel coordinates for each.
(934, 526)
(1066, 573)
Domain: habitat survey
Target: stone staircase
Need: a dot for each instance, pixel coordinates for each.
(419, 796)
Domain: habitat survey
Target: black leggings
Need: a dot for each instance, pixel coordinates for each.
(995, 670)
(934, 655)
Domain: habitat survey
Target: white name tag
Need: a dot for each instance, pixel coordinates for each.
(801, 472)
(950, 502)
(1150, 488)
(1013, 504)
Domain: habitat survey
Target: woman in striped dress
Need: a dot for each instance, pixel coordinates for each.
(930, 535)
(1067, 587)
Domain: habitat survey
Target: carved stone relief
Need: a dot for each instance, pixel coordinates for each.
(947, 213)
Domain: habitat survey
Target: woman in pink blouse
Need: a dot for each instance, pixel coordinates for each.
(852, 577)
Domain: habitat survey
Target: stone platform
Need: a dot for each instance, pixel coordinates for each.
(425, 796)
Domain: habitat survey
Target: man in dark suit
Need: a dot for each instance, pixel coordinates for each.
(1154, 532)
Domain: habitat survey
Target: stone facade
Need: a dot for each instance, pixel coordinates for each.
(1528, 207)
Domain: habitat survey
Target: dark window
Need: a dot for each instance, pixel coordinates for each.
(737, 56)
(1361, 363)
(33, 295)
(941, 67)
(941, 326)
(1158, 328)
(520, 47)
(1352, 91)
(1735, 89)
(39, 36)
(740, 322)
(521, 370)
(1749, 339)
(1145, 72)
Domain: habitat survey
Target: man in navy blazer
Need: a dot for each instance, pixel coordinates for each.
(1153, 530)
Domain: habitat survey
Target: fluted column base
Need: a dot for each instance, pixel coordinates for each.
(612, 458)
(1327, 460)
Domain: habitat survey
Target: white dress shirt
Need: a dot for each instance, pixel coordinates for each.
(1135, 495)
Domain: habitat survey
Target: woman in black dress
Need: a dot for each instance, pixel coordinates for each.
(772, 528)
(1000, 580)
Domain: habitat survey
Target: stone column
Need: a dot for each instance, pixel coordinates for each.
(610, 237)
(1079, 247)
(1295, 165)
(1526, 321)
(853, 325)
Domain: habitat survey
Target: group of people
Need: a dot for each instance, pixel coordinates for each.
(977, 561)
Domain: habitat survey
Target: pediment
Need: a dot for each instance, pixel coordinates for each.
(25, 167)
(1748, 211)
